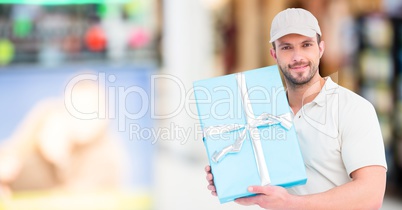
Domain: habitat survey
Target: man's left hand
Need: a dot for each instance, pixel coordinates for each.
(268, 197)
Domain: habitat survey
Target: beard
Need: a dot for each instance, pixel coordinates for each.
(299, 78)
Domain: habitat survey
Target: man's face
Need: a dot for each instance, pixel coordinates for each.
(298, 58)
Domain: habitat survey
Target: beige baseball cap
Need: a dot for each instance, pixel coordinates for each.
(294, 21)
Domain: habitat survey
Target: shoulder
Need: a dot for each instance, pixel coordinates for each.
(347, 99)
(355, 112)
(348, 104)
(352, 102)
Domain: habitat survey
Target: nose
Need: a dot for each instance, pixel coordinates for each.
(297, 55)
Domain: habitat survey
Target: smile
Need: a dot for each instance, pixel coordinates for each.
(299, 68)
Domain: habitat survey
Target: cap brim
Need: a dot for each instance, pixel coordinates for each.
(293, 30)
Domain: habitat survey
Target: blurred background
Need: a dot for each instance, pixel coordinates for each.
(96, 105)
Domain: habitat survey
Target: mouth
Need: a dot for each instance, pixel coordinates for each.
(299, 67)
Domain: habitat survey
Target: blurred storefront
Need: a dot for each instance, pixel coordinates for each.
(74, 78)
(54, 33)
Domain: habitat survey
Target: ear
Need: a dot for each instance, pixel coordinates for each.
(321, 47)
(273, 53)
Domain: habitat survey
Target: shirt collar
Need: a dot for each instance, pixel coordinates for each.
(329, 88)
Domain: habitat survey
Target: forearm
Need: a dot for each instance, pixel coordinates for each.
(361, 193)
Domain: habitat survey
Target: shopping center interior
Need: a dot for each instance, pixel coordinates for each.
(97, 106)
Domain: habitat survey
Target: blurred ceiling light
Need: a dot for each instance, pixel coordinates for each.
(215, 4)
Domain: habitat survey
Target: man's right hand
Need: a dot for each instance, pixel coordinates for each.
(210, 179)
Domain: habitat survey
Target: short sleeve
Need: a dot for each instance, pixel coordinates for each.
(361, 139)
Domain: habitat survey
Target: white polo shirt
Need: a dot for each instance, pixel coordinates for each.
(338, 133)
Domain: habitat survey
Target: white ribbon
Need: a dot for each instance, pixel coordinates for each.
(252, 125)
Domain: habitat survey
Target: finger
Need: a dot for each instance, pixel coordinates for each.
(261, 189)
(208, 168)
(211, 187)
(246, 201)
(214, 193)
(209, 177)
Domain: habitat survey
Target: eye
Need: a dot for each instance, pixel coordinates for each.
(307, 45)
(286, 48)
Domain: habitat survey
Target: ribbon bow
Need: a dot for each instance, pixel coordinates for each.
(252, 125)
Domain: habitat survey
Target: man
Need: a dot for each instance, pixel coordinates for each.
(338, 131)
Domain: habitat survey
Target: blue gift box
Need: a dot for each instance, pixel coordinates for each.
(248, 132)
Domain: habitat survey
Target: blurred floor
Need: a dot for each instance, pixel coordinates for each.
(180, 184)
